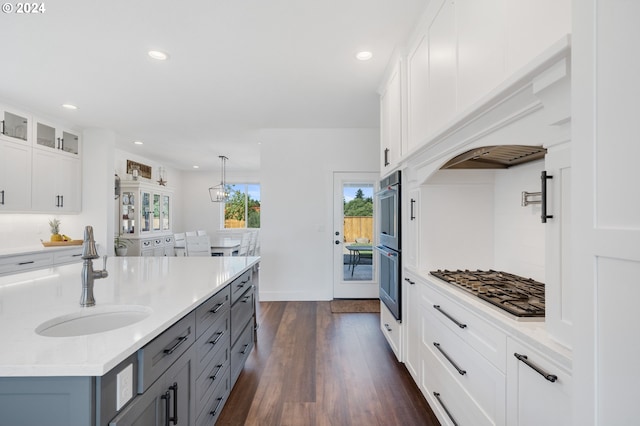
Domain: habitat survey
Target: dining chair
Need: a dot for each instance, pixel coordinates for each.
(180, 244)
(252, 243)
(191, 233)
(244, 244)
(201, 232)
(198, 245)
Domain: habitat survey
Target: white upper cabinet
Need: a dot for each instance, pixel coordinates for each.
(14, 125)
(15, 176)
(391, 120)
(481, 48)
(465, 49)
(57, 183)
(50, 136)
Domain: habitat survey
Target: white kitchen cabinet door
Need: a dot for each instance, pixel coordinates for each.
(481, 48)
(15, 176)
(391, 121)
(56, 184)
(418, 93)
(538, 393)
(14, 125)
(441, 96)
(533, 26)
(412, 325)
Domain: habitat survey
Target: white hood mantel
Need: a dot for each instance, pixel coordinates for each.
(532, 107)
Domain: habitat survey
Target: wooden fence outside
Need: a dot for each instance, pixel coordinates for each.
(358, 227)
(233, 223)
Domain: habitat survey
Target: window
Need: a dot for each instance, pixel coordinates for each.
(243, 208)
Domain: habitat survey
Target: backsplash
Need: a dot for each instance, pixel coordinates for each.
(22, 231)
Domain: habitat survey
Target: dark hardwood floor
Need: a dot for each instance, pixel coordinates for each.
(313, 367)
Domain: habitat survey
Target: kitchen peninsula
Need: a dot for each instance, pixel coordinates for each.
(206, 300)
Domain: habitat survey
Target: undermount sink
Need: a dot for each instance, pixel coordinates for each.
(93, 320)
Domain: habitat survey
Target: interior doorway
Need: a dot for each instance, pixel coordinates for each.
(354, 222)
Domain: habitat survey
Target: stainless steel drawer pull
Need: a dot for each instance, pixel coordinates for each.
(461, 371)
(550, 377)
(217, 308)
(437, 395)
(215, 410)
(217, 339)
(215, 375)
(172, 349)
(458, 323)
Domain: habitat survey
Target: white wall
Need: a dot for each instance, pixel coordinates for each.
(296, 180)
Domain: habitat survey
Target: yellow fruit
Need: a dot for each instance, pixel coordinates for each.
(56, 237)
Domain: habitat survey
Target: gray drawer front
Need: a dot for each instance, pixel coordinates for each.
(216, 337)
(240, 285)
(240, 352)
(209, 312)
(157, 356)
(215, 373)
(213, 407)
(241, 314)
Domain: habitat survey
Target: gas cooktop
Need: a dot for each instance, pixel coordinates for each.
(519, 296)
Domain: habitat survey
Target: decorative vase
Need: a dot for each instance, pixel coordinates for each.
(121, 251)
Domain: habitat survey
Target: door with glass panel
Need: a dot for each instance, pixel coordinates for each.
(354, 213)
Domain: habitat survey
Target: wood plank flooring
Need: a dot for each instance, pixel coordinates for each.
(312, 367)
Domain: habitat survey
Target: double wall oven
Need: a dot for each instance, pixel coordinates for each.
(389, 247)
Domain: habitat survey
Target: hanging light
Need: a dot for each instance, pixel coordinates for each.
(219, 193)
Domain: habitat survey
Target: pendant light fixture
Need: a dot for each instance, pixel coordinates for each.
(219, 193)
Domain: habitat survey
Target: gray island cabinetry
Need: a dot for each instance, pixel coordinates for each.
(183, 376)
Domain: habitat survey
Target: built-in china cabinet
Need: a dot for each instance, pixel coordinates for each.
(145, 219)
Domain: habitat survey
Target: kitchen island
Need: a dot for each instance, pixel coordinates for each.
(169, 290)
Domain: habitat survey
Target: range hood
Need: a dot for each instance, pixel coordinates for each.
(496, 157)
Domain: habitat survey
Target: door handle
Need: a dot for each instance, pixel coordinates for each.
(337, 241)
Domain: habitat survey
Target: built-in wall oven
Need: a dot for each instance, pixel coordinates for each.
(389, 247)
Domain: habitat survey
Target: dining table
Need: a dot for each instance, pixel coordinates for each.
(219, 247)
(355, 254)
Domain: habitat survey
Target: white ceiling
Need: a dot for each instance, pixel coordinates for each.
(235, 66)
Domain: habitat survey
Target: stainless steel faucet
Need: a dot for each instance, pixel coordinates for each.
(89, 252)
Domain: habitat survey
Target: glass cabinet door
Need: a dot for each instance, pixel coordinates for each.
(128, 213)
(145, 211)
(69, 143)
(166, 223)
(14, 126)
(46, 136)
(156, 212)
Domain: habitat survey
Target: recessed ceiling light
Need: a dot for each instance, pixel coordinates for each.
(138, 142)
(69, 106)
(196, 167)
(364, 56)
(156, 54)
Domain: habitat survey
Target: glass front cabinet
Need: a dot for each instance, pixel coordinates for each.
(145, 219)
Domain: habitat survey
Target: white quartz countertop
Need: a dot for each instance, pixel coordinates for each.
(170, 286)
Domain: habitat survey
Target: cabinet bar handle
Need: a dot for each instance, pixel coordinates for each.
(244, 351)
(215, 375)
(386, 325)
(26, 263)
(550, 377)
(172, 349)
(409, 281)
(412, 216)
(386, 157)
(437, 395)
(2, 201)
(217, 308)
(246, 299)
(166, 397)
(458, 323)
(461, 371)
(2, 122)
(215, 410)
(217, 339)
(174, 389)
(543, 178)
(62, 201)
